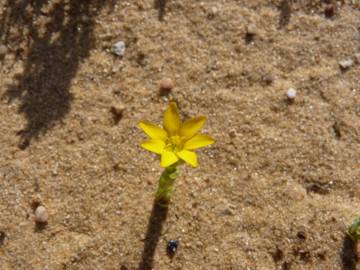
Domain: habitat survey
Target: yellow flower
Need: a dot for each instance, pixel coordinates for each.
(176, 140)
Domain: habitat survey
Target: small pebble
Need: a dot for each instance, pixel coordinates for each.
(278, 255)
(232, 133)
(251, 29)
(337, 129)
(291, 93)
(301, 235)
(346, 64)
(251, 32)
(227, 212)
(119, 48)
(213, 12)
(41, 215)
(117, 111)
(166, 85)
(2, 237)
(3, 51)
(357, 58)
(268, 79)
(172, 246)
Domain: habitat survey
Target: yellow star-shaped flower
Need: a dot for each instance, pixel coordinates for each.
(175, 141)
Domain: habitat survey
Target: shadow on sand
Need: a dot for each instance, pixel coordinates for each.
(58, 36)
(160, 5)
(156, 221)
(349, 257)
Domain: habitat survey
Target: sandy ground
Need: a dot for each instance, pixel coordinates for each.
(276, 191)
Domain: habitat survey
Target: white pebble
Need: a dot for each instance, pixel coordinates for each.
(346, 64)
(291, 93)
(41, 215)
(119, 48)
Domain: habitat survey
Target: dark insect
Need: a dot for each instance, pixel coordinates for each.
(172, 246)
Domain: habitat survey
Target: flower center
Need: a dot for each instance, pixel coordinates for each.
(174, 143)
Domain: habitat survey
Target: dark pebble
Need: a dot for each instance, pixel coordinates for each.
(329, 11)
(2, 237)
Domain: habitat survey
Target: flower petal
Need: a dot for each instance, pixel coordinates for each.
(168, 158)
(198, 141)
(153, 131)
(172, 120)
(154, 145)
(192, 126)
(189, 157)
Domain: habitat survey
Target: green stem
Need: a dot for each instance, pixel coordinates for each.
(166, 185)
(354, 230)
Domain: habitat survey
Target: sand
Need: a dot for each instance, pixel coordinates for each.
(276, 191)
